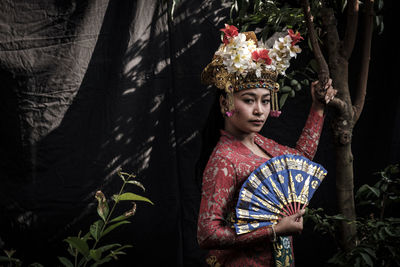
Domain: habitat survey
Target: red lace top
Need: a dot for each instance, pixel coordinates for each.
(228, 167)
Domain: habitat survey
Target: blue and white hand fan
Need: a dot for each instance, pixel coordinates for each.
(279, 187)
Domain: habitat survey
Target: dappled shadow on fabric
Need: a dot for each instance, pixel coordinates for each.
(128, 96)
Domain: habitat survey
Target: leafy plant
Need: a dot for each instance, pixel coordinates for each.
(80, 249)
(85, 249)
(378, 235)
(266, 17)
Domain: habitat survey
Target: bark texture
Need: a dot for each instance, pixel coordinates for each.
(335, 65)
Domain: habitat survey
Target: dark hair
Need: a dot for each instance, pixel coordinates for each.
(210, 136)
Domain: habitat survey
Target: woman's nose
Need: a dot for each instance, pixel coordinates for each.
(258, 108)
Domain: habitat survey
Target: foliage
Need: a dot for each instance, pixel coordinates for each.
(85, 249)
(266, 17)
(378, 233)
(12, 261)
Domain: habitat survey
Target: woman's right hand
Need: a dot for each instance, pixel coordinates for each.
(290, 225)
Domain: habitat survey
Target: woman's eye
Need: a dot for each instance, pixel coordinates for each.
(248, 100)
(266, 101)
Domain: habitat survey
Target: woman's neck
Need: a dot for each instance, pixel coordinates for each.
(246, 138)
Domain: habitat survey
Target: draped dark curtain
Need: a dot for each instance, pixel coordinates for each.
(88, 87)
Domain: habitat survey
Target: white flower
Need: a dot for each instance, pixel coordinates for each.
(281, 53)
(237, 55)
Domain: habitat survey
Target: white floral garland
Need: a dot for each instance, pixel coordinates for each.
(237, 54)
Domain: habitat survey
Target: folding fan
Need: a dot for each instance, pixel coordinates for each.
(279, 187)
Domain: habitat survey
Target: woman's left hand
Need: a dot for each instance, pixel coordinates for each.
(329, 94)
(290, 225)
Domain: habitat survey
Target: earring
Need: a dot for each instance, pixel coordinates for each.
(229, 113)
(226, 112)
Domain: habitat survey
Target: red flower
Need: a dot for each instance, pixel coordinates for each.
(261, 55)
(296, 37)
(230, 31)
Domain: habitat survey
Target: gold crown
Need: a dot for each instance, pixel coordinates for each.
(216, 73)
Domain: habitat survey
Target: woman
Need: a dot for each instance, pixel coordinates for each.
(246, 102)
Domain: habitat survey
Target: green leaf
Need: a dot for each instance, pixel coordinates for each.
(137, 184)
(108, 247)
(305, 82)
(387, 230)
(285, 89)
(82, 262)
(292, 93)
(95, 229)
(294, 82)
(78, 244)
(374, 190)
(35, 264)
(112, 227)
(9, 253)
(365, 189)
(380, 4)
(131, 196)
(123, 247)
(282, 100)
(118, 251)
(102, 206)
(121, 175)
(370, 251)
(367, 259)
(119, 218)
(66, 262)
(95, 254)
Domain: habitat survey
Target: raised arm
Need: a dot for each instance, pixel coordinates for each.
(307, 143)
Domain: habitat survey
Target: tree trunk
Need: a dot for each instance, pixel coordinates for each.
(339, 52)
(345, 195)
(342, 127)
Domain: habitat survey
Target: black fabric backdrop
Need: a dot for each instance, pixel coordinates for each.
(88, 87)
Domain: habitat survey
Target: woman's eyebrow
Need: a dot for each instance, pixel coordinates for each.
(249, 93)
(254, 94)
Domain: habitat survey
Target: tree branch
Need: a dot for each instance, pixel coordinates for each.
(323, 74)
(361, 89)
(339, 105)
(332, 39)
(351, 28)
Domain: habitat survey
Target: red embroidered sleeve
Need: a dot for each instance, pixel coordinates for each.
(307, 143)
(214, 232)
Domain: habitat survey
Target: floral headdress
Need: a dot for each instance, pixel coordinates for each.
(241, 62)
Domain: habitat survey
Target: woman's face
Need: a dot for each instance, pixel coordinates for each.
(252, 107)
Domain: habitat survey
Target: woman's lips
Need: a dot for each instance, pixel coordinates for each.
(257, 122)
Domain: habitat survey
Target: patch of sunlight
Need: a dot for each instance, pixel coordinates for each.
(119, 137)
(158, 99)
(194, 40)
(129, 91)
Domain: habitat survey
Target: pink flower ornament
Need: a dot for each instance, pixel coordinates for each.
(229, 31)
